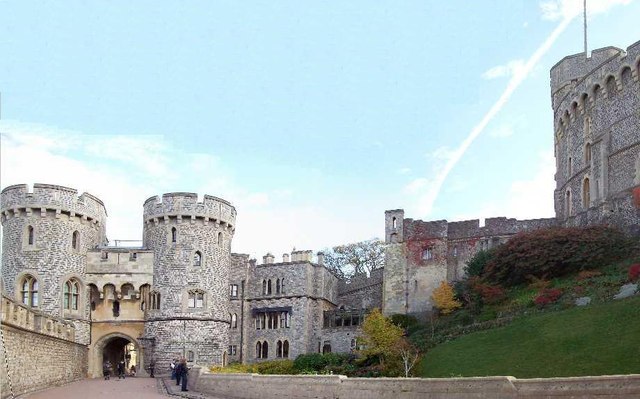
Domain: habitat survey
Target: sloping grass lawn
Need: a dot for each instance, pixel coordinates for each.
(595, 340)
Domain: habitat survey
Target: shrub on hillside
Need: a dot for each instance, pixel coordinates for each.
(547, 297)
(320, 362)
(634, 272)
(554, 252)
(476, 265)
(490, 294)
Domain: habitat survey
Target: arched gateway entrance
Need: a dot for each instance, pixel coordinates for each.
(115, 347)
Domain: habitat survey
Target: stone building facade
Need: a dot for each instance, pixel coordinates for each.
(596, 106)
(183, 293)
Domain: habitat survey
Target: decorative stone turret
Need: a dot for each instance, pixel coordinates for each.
(191, 241)
(46, 236)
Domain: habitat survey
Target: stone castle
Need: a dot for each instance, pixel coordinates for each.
(184, 293)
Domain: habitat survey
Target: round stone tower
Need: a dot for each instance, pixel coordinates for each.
(188, 313)
(46, 236)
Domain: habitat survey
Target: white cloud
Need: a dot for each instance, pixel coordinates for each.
(112, 168)
(509, 69)
(502, 131)
(404, 171)
(529, 198)
(416, 185)
(554, 10)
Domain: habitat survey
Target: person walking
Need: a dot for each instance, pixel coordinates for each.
(174, 362)
(178, 370)
(152, 365)
(184, 371)
(121, 369)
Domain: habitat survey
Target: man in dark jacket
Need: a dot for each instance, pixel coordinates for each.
(184, 372)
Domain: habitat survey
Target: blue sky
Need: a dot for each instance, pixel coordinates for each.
(312, 118)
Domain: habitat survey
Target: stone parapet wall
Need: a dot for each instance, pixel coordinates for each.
(55, 197)
(39, 351)
(186, 206)
(254, 386)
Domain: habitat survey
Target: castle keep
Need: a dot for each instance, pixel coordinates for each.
(184, 293)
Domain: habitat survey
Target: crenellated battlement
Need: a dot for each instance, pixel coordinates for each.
(48, 197)
(185, 207)
(496, 226)
(575, 79)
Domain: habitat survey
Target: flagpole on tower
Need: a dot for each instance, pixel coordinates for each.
(584, 13)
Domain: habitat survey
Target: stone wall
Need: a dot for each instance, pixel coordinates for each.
(191, 243)
(362, 292)
(419, 255)
(596, 104)
(39, 350)
(253, 386)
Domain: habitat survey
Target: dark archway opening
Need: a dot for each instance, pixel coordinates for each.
(119, 349)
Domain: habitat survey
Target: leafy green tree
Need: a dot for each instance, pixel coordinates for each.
(381, 337)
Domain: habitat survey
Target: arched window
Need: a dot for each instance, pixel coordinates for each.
(570, 167)
(279, 349)
(282, 285)
(29, 291)
(30, 234)
(191, 356)
(610, 84)
(394, 222)
(264, 287)
(174, 234)
(587, 154)
(586, 194)
(71, 292)
(220, 239)
(197, 259)
(285, 349)
(567, 204)
(269, 287)
(75, 240)
(234, 320)
(265, 350)
(277, 286)
(326, 348)
(258, 350)
(127, 290)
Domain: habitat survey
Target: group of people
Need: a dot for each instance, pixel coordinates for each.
(121, 369)
(180, 372)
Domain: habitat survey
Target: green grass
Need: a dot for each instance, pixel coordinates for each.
(600, 339)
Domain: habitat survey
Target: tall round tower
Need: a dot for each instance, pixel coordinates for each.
(46, 236)
(188, 304)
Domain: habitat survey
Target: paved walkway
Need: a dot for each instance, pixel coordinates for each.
(137, 387)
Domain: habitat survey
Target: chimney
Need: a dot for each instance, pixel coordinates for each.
(268, 258)
(285, 258)
(321, 258)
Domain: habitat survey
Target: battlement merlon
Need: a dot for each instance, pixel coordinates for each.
(574, 69)
(186, 206)
(50, 196)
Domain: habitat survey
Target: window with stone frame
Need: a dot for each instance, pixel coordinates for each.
(586, 193)
(174, 234)
(285, 349)
(29, 291)
(71, 293)
(30, 235)
(427, 253)
(154, 299)
(277, 286)
(191, 357)
(234, 320)
(195, 299)
(197, 259)
(264, 287)
(269, 287)
(233, 350)
(265, 350)
(75, 240)
(233, 290)
(220, 239)
(258, 350)
(587, 154)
